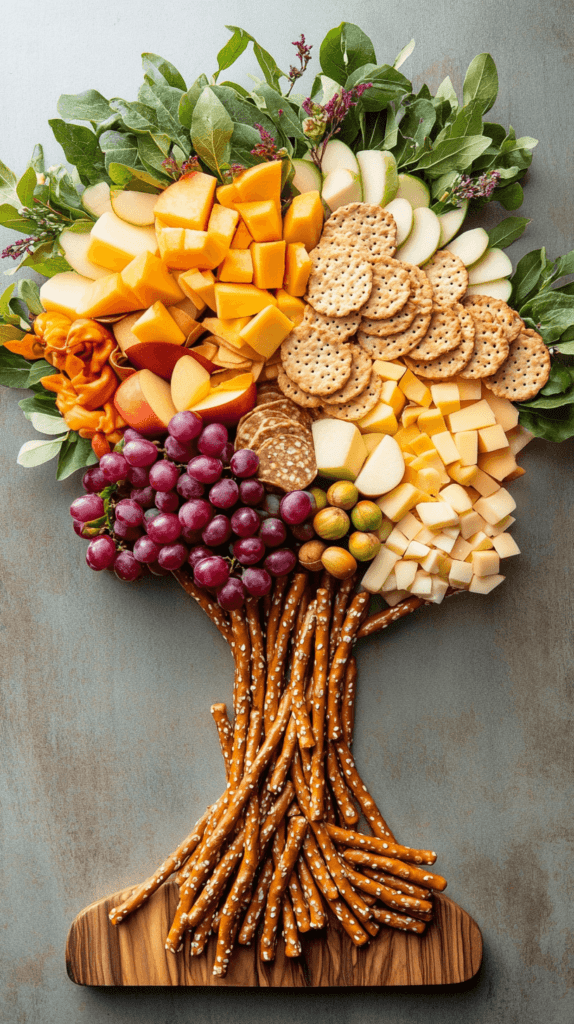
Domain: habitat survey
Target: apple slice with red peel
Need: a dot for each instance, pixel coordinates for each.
(228, 403)
(190, 382)
(134, 207)
(158, 356)
(144, 402)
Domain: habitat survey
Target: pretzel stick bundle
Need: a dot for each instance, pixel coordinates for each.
(312, 895)
(355, 611)
(319, 700)
(258, 668)
(276, 662)
(360, 792)
(397, 867)
(339, 611)
(347, 809)
(295, 836)
(242, 883)
(241, 695)
(398, 885)
(290, 929)
(375, 845)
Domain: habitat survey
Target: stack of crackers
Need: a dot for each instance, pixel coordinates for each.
(362, 304)
(279, 431)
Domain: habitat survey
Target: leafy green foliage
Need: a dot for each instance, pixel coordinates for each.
(507, 232)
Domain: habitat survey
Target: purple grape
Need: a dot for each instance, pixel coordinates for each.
(177, 450)
(143, 495)
(189, 488)
(172, 556)
(156, 569)
(273, 533)
(227, 453)
(146, 550)
(150, 514)
(295, 507)
(94, 480)
(205, 469)
(129, 512)
(195, 514)
(257, 582)
(114, 467)
(198, 553)
(231, 595)
(185, 426)
(132, 435)
(83, 530)
(245, 522)
(251, 492)
(87, 508)
(126, 567)
(140, 453)
(124, 532)
(224, 494)
(244, 463)
(100, 553)
(211, 572)
(138, 476)
(280, 562)
(164, 528)
(271, 504)
(248, 550)
(164, 475)
(213, 439)
(167, 501)
(303, 532)
(218, 531)
(191, 536)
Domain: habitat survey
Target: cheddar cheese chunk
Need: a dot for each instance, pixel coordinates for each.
(298, 267)
(156, 324)
(151, 281)
(268, 264)
(303, 221)
(262, 219)
(266, 331)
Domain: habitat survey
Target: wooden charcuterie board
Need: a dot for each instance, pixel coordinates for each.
(99, 954)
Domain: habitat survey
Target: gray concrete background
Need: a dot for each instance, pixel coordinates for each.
(464, 717)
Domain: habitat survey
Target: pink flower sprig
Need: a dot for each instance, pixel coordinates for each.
(267, 148)
(176, 171)
(23, 247)
(304, 55)
(323, 122)
(230, 173)
(474, 188)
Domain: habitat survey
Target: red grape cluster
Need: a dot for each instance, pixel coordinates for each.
(190, 499)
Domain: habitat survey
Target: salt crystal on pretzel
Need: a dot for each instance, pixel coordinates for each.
(354, 930)
(398, 885)
(358, 841)
(290, 934)
(319, 700)
(355, 612)
(361, 793)
(299, 905)
(339, 611)
(403, 922)
(295, 836)
(348, 701)
(257, 905)
(299, 661)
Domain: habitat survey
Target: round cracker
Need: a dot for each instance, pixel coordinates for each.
(485, 306)
(361, 405)
(280, 425)
(466, 321)
(394, 325)
(390, 291)
(490, 350)
(250, 423)
(288, 462)
(525, 371)
(398, 344)
(318, 365)
(341, 327)
(447, 365)
(364, 225)
(448, 277)
(358, 380)
(340, 281)
(444, 333)
(292, 390)
(284, 406)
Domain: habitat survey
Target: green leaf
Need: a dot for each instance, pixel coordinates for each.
(165, 100)
(559, 381)
(159, 71)
(47, 266)
(151, 156)
(10, 218)
(14, 370)
(505, 233)
(552, 312)
(25, 187)
(446, 92)
(387, 85)
(81, 148)
(281, 112)
(242, 111)
(404, 54)
(85, 106)
(45, 423)
(554, 425)
(119, 148)
(30, 294)
(123, 175)
(481, 82)
(467, 122)
(564, 265)
(452, 155)
(414, 128)
(44, 404)
(526, 276)
(77, 453)
(555, 401)
(243, 140)
(189, 99)
(233, 48)
(40, 368)
(8, 182)
(511, 197)
(566, 347)
(344, 50)
(138, 117)
(37, 161)
(35, 453)
(211, 130)
(9, 332)
(268, 66)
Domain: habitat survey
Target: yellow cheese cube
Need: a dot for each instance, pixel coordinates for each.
(506, 413)
(485, 584)
(464, 475)
(184, 249)
(425, 536)
(405, 435)
(414, 389)
(470, 523)
(388, 370)
(151, 281)
(479, 541)
(156, 324)
(460, 574)
(190, 295)
(495, 530)
(422, 443)
(262, 219)
(397, 542)
(496, 506)
(228, 196)
(444, 564)
(457, 497)
(399, 501)
(485, 563)
(445, 446)
(408, 457)
(200, 283)
(108, 295)
(431, 421)
(505, 545)
(267, 330)
(466, 442)
(469, 390)
(222, 224)
(303, 221)
(114, 243)
(484, 483)
(65, 293)
(380, 420)
(263, 181)
(233, 300)
(410, 476)
(293, 307)
(444, 543)
(498, 465)
(439, 589)
(446, 397)
(491, 439)
(472, 417)
(187, 202)
(268, 264)
(428, 480)
(390, 583)
(241, 239)
(237, 266)
(431, 460)
(228, 330)
(393, 396)
(298, 266)
(411, 414)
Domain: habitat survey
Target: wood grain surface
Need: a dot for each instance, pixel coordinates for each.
(99, 954)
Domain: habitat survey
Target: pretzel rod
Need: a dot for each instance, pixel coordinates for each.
(171, 864)
(254, 734)
(352, 927)
(339, 787)
(295, 836)
(372, 927)
(257, 904)
(299, 662)
(275, 816)
(243, 881)
(351, 624)
(386, 895)
(278, 844)
(361, 793)
(398, 885)
(318, 868)
(312, 895)
(356, 902)
(211, 607)
(328, 582)
(300, 907)
(330, 813)
(224, 732)
(403, 922)
(319, 700)
(358, 841)
(348, 701)
(216, 811)
(303, 606)
(201, 934)
(283, 762)
(305, 756)
(266, 607)
(258, 665)
(215, 885)
(241, 695)
(396, 867)
(279, 650)
(275, 615)
(301, 790)
(389, 615)
(339, 610)
(290, 934)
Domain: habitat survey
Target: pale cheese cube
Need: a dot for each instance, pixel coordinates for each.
(461, 550)
(444, 543)
(490, 439)
(518, 438)
(496, 506)
(463, 475)
(469, 390)
(460, 574)
(414, 389)
(470, 523)
(397, 542)
(405, 573)
(425, 536)
(339, 449)
(410, 415)
(422, 443)
(431, 421)
(505, 545)
(485, 563)
(388, 371)
(380, 420)
(431, 460)
(445, 562)
(446, 397)
(495, 530)
(393, 396)
(506, 413)
(473, 417)
(409, 525)
(416, 551)
(466, 442)
(429, 480)
(390, 583)
(484, 484)
(422, 584)
(437, 514)
(479, 542)
(397, 503)
(498, 465)
(456, 496)
(439, 589)
(384, 531)
(484, 584)
(371, 441)
(394, 597)
(383, 563)
(431, 562)
(451, 531)
(405, 435)
(445, 446)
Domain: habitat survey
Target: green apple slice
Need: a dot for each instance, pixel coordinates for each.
(402, 212)
(379, 175)
(451, 223)
(414, 190)
(501, 289)
(96, 199)
(337, 155)
(491, 267)
(470, 246)
(307, 177)
(423, 239)
(75, 248)
(134, 207)
(341, 187)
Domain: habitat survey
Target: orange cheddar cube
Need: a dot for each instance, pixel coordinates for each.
(200, 283)
(187, 203)
(184, 249)
(222, 224)
(234, 300)
(227, 195)
(156, 324)
(260, 182)
(241, 239)
(293, 307)
(228, 330)
(298, 266)
(267, 330)
(108, 295)
(262, 219)
(268, 264)
(237, 266)
(303, 221)
(151, 281)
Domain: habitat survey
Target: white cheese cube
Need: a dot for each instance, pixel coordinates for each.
(431, 562)
(422, 584)
(390, 583)
(425, 536)
(466, 442)
(444, 543)
(494, 531)
(506, 413)
(445, 446)
(490, 439)
(439, 589)
(437, 514)
(394, 597)
(416, 551)
(461, 550)
(473, 417)
(460, 574)
(398, 502)
(383, 563)
(457, 497)
(339, 449)
(451, 531)
(505, 545)
(485, 563)
(405, 573)
(494, 507)
(470, 523)
(484, 584)
(484, 484)
(409, 525)
(397, 542)
(479, 542)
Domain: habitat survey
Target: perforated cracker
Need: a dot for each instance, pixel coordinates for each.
(446, 365)
(292, 390)
(317, 364)
(444, 333)
(358, 379)
(525, 371)
(342, 327)
(490, 350)
(485, 306)
(397, 344)
(287, 462)
(466, 321)
(364, 225)
(448, 277)
(360, 405)
(390, 291)
(420, 302)
(340, 282)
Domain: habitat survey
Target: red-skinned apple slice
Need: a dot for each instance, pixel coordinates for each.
(227, 406)
(158, 356)
(190, 383)
(144, 402)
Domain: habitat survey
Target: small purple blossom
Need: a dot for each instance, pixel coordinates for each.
(176, 171)
(323, 122)
(20, 248)
(304, 55)
(267, 148)
(475, 188)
